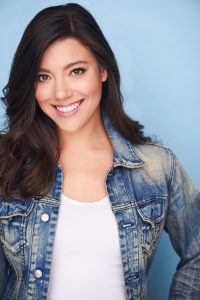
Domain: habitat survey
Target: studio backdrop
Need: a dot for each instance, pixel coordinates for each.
(157, 46)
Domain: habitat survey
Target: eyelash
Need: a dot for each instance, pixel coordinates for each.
(40, 76)
(80, 71)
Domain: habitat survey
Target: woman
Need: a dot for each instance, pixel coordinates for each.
(84, 194)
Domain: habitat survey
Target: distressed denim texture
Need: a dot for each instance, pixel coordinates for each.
(148, 190)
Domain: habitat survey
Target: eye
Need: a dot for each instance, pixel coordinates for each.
(43, 77)
(77, 71)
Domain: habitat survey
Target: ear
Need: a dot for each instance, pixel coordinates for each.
(104, 74)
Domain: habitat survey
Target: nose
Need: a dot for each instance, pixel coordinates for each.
(62, 89)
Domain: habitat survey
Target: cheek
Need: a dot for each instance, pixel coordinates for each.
(41, 95)
(92, 88)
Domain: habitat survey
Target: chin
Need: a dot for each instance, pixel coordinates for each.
(69, 129)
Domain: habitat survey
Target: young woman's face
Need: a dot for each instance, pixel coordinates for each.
(69, 85)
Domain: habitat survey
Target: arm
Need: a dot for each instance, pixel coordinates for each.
(183, 226)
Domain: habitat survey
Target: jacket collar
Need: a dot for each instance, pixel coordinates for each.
(124, 151)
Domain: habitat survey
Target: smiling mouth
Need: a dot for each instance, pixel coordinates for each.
(68, 108)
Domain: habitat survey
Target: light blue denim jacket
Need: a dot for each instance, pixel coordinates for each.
(148, 190)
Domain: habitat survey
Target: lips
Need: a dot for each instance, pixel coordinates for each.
(68, 108)
(65, 110)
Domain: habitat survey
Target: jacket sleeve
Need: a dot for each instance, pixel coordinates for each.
(183, 226)
(3, 272)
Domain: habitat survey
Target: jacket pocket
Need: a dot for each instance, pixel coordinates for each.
(151, 213)
(152, 210)
(13, 224)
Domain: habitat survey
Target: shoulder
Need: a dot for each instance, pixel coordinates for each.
(158, 160)
(153, 152)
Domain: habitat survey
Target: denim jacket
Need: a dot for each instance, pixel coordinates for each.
(148, 190)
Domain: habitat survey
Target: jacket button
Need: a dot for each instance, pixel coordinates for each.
(38, 273)
(45, 217)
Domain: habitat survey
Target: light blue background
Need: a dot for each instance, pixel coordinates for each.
(157, 46)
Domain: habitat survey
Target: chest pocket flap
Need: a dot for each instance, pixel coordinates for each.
(12, 226)
(152, 210)
(9, 209)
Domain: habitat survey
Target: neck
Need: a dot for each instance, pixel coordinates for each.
(91, 137)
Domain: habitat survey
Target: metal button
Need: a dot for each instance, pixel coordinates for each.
(38, 273)
(45, 217)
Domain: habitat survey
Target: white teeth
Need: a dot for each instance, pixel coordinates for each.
(68, 108)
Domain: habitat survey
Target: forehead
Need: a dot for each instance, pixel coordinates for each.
(66, 51)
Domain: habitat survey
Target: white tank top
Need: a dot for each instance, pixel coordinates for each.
(86, 261)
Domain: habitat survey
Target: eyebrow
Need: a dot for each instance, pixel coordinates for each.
(67, 66)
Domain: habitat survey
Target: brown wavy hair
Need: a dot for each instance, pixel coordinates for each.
(29, 147)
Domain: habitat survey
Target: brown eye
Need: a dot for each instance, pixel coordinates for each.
(77, 71)
(42, 77)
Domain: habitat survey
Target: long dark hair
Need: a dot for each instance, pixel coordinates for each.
(29, 149)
